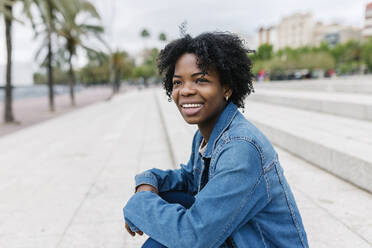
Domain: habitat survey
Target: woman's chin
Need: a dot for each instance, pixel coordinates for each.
(191, 121)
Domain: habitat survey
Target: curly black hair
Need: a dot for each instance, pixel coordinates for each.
(224, 51)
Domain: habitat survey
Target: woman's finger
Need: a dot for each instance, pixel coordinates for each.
(128, 229)
(139, 232)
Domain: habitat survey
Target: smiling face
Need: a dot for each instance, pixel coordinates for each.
(199, 97)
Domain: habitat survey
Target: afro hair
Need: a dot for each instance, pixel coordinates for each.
(223, 51)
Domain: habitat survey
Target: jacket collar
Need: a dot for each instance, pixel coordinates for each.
(221, 125)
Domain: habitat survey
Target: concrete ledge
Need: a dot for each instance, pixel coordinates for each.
(336, 144)
(349, 105)
(356, 84)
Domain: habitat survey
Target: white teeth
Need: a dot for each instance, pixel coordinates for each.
(191, 105)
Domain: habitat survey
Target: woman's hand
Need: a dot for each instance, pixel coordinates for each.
(139, 232)
(143, 187)
(147, 187)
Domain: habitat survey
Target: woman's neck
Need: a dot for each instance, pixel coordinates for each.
(207, 127)
(205, 131)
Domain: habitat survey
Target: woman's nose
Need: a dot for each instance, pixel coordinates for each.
(188, 88)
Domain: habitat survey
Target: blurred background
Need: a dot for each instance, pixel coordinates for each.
(92, 64)
(56, 44)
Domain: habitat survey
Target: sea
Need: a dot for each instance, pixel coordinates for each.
(21, 92)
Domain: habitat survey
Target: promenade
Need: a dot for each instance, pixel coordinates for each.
(64, 182)
(33, 110)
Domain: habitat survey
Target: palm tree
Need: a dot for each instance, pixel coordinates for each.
(121, 66)
(49, 21)
(163, 37)
(145, 34)
(48, 10)
(6, 7)
(73, 32)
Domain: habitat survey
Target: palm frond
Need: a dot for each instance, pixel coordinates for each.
(88, 7)
(4, 9)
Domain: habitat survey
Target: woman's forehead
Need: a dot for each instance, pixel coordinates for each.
(190, 63)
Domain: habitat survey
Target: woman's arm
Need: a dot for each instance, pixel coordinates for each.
(235, 193)
(170, 180)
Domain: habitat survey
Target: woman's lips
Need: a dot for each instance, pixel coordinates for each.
(190, 111)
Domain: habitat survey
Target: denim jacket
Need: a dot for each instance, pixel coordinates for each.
(246, 199)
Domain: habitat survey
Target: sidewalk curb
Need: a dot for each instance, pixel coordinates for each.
(167, 137)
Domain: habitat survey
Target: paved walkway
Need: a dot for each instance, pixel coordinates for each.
(64, 182)
(31, 111)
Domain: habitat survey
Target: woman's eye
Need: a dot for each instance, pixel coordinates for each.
(201, 80)
(177, 82)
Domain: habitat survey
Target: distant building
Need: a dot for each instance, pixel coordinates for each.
(268, 36)
(22, 74)
(334, 34)
(300, 29)
(296, 30)
(367, 30)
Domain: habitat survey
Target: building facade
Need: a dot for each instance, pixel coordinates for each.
(301, 29)
(296, 30)
(268, 36)
(334, 34)
(367, 30)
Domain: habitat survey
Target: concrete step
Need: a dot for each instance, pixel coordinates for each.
(179, 133)
(344, 104)
(339, 145)
(335, 213)
(354, 84)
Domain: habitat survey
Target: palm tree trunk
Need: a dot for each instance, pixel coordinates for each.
(50, 59)
(72, 80)
(8, 112)
(112, 74)
(117, 81)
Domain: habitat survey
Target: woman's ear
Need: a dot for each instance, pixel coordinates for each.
(227, 92)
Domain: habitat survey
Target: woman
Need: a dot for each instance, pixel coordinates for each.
(232, 192)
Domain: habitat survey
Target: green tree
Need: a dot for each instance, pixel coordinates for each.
(148, 68)
(99, 65)
(74, 32)
(347, 56)
(6, 8)
(145, 34)
(367, 54)
(163, 37)
(48, 11)
(264, 52)
(122, 68)
(288, 60)
(97, 70)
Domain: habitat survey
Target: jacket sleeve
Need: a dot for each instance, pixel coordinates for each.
(170, 180)
(235, 193)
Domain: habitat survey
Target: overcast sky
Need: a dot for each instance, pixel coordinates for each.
(124, 19)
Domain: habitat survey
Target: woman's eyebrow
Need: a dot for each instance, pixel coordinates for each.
(192, 75)
(199, 73)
